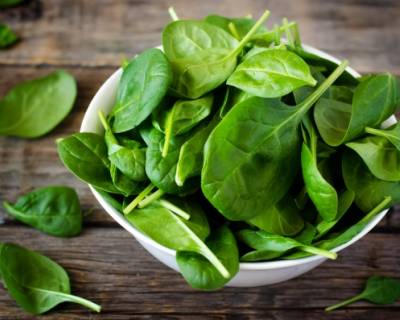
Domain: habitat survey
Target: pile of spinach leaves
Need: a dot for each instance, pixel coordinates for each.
(233, 144)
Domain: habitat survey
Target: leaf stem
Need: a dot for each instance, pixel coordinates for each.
(107, 127)
(233, 30)
(377, 209)
(138, 199)
(82, 301)
(286, 27)
(168, 131)
(178, 211)
(149, 199)
(319, 251)
(173, 14)
(344, 303)
(375, 132)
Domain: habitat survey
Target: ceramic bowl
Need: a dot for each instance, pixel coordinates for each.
(250, 274)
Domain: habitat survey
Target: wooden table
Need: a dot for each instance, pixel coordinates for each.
(89, 39)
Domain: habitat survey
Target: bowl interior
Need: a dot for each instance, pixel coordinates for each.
(104, 101)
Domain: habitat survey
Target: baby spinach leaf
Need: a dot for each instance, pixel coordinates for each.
(110, 199)
(7, 36)
(306, 236)
(392, 134)
(247, 155)
(171, 231)
(202, 55)
(369, 190)
(271, 73)
(282, 219)
(339, 122)
(85, 155)
(123, 184)
(199, 272)
(33, 108)
(269, 246)
(380, 155)
(379, 290)
(232, 98)
(36, 282)
(53, 210)
(144, 83)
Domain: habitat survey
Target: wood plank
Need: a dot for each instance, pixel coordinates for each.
(108, 266)
(83, 32)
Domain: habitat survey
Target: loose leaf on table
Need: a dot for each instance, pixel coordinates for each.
(282, 219)
(378, 289)
(54, 210)
(247, 155)
(369, 190)
(199, 272)
(271, 73)
(85, 155)
(33, 108)
(36, 282)
(380, 155)
(269, 246)
(202, 55)
(7, 36)
(374, 100)
(144, 83)
(392, 134)
(171, 231)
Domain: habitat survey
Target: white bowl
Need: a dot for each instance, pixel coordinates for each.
(250, 274)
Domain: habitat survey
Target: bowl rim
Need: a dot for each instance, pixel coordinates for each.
(91, 123)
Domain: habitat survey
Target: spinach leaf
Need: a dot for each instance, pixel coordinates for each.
(33, 108)
(271, 73)
(380, 155)
(85, 155)
(36, 282)
(369, 190)
(110, 199)
(199, 272)
(307, 235)
(379, 290)
(7, 36)
(144, 83)
(269, 246)
(53, 210)
(282, 219)
(392, 134)
(123, 184)
(247, 156)
(339, 122)
(232, 98)
(171, 231)
(202, 55)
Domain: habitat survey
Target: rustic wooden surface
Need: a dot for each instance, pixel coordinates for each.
(89, 39)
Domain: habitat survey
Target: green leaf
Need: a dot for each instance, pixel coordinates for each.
(247, 156)
(339, 122)
(7, 36)
(171, 231)
(392, 134)
(53, 210)
(85, 155)
(36, 282)
(144, 83)
(379, 290)
(369, 190)
(199, 272)
(33, 108)
(271, 73)
(380, 155)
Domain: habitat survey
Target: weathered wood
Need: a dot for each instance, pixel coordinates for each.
(102, 32)
(108, 266)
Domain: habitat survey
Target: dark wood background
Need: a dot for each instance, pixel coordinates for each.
(89, 39)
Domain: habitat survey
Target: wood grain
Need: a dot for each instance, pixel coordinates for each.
(88, 33)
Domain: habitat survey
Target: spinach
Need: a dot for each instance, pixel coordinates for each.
(392, 134)
(378, 289)
(7, 36)
(36, 282)
(166, 228)
(202, 55)
(199, 272)
(247, 155)
(269, 246)
(339, 122)
(282, 219)
(53, 210)
(271, 73)
(380, 155)
(85, 155)
(33, 108)
(144, 83)
(369, 190)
